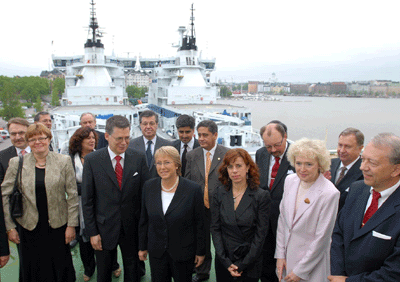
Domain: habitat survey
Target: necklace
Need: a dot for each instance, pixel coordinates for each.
(234, 198)
(41, 165)
(172, 188)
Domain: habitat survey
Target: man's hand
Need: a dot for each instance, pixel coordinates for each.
(199, 260)
(142, 255)
(69, 234)
(4, 260)
(334, 278)
(13, 236)
(96, 242)
(327, 175)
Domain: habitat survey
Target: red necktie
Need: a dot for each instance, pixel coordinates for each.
(119, 170)
(274, 171)
(23, 152)
(373, 207)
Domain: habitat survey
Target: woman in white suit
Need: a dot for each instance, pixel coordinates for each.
(307, 215)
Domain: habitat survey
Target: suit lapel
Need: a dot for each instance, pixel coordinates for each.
(108, 168)
(227, 202)
(312, 195)
(388, 208)
(218, 156)
(291, 201)
(245, 202)
(127, 171)
(283, 168)
(200, 162)
(178, 197)
(334, 170)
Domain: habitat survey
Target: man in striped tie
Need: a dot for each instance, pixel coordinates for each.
(366, 239)
(274, 167)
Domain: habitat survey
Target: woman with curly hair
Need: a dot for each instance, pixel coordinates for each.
(83, 142)
(239, 219)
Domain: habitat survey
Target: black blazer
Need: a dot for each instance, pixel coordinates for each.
(353, 175)
(5, 156)
(263, 159)
(101, 141)
(177, 145)
(106, 208)
(139, 145)
(239, 235)
(180, 232)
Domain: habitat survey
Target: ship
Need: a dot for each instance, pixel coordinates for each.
(181, 84)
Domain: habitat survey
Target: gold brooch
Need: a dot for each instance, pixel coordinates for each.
(307, 201)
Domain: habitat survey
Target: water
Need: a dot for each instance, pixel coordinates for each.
(326, 117)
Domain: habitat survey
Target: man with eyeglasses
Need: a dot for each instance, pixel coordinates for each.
(112, 183)
(274, 167)
(149, 142)
(45, 119)
(17, 128)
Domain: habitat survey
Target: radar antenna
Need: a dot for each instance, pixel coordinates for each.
(94, 27)
(189, 41)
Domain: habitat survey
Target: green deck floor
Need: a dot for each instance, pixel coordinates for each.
(9, 273)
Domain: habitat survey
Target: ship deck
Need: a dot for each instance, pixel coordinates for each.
(93, 109)
(204, 106)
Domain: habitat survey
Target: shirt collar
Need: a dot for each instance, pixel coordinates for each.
(387, 192)
(212, 151)
(113, 155)
(190, 144)
(27, 150)
(350, 165)
(152, 140)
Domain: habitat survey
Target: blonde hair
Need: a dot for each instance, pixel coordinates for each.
(313, 149)
(171, 152)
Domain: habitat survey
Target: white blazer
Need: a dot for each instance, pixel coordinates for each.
(304, 238)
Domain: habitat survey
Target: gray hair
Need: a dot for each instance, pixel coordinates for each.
(313, 149)
(39, 114)
(211, 125)
(148, 113)
(357, 133)
(391, 141)
(87, 113)
(116, 121)
(171, 152)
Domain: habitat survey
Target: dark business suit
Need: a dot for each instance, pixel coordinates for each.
(139, 145)
(353, 175)
(101, 140)
(113, 212)
(178, 145)
(263, 159)
(5, 156)
(178, 234)
(369, 253)
(195, 171)
(239, 235)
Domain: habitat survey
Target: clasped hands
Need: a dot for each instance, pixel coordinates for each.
(198, 259)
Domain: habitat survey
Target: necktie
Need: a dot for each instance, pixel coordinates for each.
(208, 166)
(184, 159)
(274, 171)
(148, 153)
(118, 170)
(373, 207)
(341, 175)
(23, 152)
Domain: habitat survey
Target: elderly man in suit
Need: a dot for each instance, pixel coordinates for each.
(112, 183)
(274, 167)
(207, 157)
(366, 237)
(186, 143)
(346, 168)
(89, 119)
(149, 142)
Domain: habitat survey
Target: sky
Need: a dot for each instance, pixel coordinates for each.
(299, 41)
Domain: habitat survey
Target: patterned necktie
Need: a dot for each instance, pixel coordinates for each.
(23, 152)
(184, 159)
(119, 171)
(148, 153)
(341, 175)
(274, 171)
(373, 207)
(208, 166)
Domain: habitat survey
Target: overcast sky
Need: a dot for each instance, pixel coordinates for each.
(301, 41)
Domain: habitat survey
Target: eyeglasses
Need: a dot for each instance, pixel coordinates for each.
(275, 145)
(120, 139)
(41, 140)
(164, 163)
(152, 123)
(21, 133)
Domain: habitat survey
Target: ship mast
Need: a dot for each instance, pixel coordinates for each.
(189, 41)
(94, 26)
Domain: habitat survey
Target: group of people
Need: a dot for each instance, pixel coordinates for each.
(293, 214)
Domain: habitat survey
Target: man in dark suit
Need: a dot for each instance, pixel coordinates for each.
(186, 143)
(17, 128)
(197, 159)
(366, 237)
(89, 119)
(346, 168)
(149, 142)
(113, 178)
(45, 119)
(274, 167)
